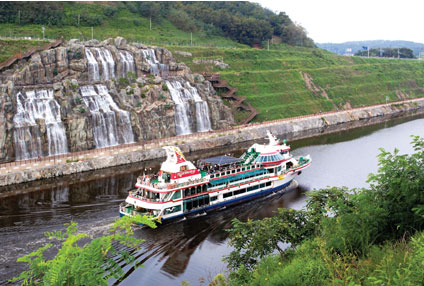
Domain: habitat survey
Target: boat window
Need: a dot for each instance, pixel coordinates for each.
(268, 184)
(193, 191)
(172, 210)
(186, 192)
(228, 195)
(217, 175)
(199, 189)
(262, 185)
(204, 188)
(228, 172)
(243, 169)
(214, 198)
(195, 203)
(233, 171)
(212, 176)
(279, 168)
(176, 195)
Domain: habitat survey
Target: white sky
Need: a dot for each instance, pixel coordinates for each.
(338, 21)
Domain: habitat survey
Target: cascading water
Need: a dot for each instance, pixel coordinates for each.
(127, 60)
(107, 130)
(108, 64)
(202, 111)
(38, 106)
(182, 108)
(156, 68)
(124, 123)
(182, 97)
(93, 66)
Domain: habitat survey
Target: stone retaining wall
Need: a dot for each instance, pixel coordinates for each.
(297, 128)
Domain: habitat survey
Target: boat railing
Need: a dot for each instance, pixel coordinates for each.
(302, 161)
(235, 183)
(168, 186)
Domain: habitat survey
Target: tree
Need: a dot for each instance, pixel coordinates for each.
(399, 189)
(93, 263)
(253, 240)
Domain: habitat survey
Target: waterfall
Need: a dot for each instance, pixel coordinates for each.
(183, 118)
(108, 130)
(127, 60)
(124, 123)
(202, 111)
(93, 66)
(37, 106)
(108, 64)
(182, 108)
(156, 68)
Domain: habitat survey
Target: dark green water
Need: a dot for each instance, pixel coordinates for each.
(192, 249)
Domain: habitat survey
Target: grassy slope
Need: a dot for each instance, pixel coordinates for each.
(124, 23)
(9, 47)
(271, 80)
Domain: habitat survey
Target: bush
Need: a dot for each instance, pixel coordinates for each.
(165, 87)
(109, 11)
(79, 263)
(123, 82)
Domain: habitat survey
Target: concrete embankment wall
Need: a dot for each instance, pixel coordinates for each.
(290, 129)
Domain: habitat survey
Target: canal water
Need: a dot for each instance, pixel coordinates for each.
(189, 250)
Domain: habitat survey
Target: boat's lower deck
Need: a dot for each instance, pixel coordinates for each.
(236, 198)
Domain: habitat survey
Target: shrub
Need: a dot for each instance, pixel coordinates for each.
(79, 263)
(131, 76)
(82, 109)
(123, 82)
(165, 87)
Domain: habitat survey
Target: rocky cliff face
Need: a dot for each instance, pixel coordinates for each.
(101, 94)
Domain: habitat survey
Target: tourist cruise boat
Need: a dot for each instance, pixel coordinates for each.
(181, 189)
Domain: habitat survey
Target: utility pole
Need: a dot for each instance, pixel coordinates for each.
(398, 54)
(150, 23)
(268, 44)
(19, 17)
(43, 28)
(79, 17)
(191, 38)
(368, 51)
(92, 33)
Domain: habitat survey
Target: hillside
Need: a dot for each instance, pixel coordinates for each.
(283, 82)
(357, 46)
(289, 81)
(206, 23)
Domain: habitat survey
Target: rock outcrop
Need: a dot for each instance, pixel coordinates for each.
(129, 80)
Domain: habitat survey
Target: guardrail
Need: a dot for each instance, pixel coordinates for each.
(76, 156)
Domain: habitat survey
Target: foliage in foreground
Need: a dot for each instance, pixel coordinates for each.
(343, 237)
(93, 263)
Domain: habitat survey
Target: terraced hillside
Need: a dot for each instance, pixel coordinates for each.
(289, 81)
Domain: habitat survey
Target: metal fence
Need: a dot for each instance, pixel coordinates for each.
(74, 156)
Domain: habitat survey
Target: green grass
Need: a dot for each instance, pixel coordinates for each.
(9, 48)
(272, 82)
(124, 23)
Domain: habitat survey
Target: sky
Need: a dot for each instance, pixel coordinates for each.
(338, 21)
